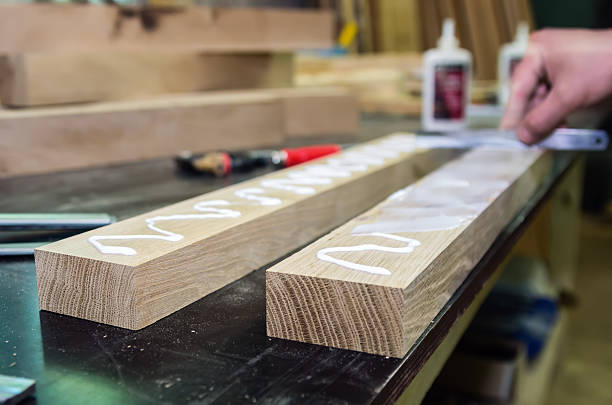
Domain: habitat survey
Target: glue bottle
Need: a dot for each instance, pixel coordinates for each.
(509, 57)
(447, 75)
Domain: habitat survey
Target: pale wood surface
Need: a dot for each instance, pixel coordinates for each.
(162, 276)
(60, 138)
(383, 83)
(72, 136)
(70, 27)
(35, 79)
(319, 111)
(317, 301)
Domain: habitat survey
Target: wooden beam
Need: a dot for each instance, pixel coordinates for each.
(37, 79)
(374, 284)
(105, 133)
(61, 138)
(134, 272)
(317, 111)
(71, 27)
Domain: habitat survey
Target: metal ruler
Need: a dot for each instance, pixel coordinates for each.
(560, 139)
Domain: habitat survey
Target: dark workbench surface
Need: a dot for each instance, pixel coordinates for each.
(216, 349)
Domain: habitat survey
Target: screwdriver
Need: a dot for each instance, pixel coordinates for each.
(223, 163)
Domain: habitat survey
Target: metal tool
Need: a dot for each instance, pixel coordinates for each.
(560, 139)
(55, 221)
(15, 389)
(17, 227)
(19, 249)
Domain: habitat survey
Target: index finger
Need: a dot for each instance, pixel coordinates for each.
(525, 80)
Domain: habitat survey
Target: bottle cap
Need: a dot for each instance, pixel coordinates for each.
(522, 33)
(448, 39)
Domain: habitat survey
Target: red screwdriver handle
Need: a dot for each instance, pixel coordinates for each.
(306, 153)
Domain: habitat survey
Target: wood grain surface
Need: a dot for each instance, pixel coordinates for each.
(47, 139)
(316, 111)
(374, 284)
(36, 79)
(40, 140)
(136, 271)
(88, 27)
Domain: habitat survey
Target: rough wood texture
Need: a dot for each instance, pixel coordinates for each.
(108, 276)
(36, 79)
(70, 27)
(60, 138)
(375, 283)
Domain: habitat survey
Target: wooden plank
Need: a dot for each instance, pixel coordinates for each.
(36, 79)
(136, 271)
(78, 27)
(317, 111)
(484, 37)
(49, 139)
(382, 83)
(374, 284)
(104, 133)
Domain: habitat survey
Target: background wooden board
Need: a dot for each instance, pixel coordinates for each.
(317, 300)
(35, 79)
(162, 276)
(319, 111)
(39, 140)
(71, 27)
(60, 138)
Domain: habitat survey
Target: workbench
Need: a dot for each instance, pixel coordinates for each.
(216, 349)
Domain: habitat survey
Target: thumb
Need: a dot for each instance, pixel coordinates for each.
(544, 118)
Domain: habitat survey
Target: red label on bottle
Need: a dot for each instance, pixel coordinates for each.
(449, 84)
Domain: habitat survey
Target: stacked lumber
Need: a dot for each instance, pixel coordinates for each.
(27, 28)
(387, 84)
(384, 83)
(104, 84)
(37, 79)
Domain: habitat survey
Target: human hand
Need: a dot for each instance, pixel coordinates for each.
(562, 71)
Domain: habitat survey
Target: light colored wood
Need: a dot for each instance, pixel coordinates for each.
(311, 298)
(382, 83)
(398, 26)
(319, 111)
(69, 27)
(60, 138)
(48, 139)
(37, 79)
(230, 233)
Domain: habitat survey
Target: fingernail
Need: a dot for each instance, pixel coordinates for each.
(525, 136)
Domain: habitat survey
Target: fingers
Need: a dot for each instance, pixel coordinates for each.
(544, 118)
(525, 80)
(539, 96)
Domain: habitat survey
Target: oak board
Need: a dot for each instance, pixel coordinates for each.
(73, 136)
(375, 283)
(93, 27)
(133, 273)
(38, 79)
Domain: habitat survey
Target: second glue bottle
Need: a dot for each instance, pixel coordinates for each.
(447, 76)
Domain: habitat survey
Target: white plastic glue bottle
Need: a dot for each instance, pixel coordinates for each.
(447, 77)
(509, 57)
